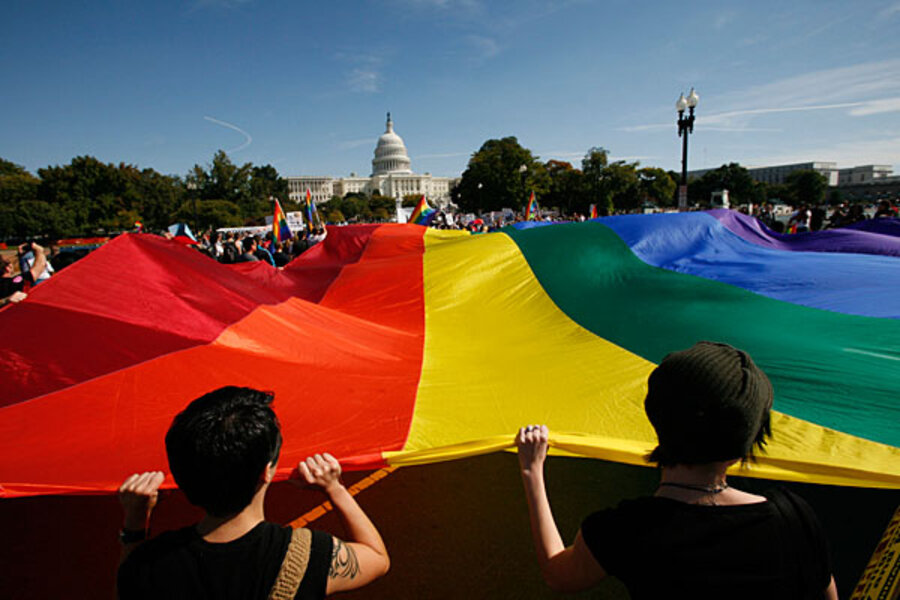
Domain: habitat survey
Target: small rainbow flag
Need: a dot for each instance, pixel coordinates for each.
(594, 214)
(280, 230)
(532, 208)
(311, 211)
(423, 214)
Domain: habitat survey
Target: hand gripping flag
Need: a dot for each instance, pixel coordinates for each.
(423, 214)
(532, 208)
(280, 229)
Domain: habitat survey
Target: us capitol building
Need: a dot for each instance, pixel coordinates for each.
(391, 176)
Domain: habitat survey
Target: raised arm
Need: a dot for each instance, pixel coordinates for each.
(138, 495)
(361, 559)
(564, 569)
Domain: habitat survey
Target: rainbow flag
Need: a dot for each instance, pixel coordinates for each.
(422, 214)
(311, 212)
(280, 229)
(531, 209)
(594, 214)
(597, 304)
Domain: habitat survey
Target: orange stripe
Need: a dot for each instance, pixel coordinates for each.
(312, 515)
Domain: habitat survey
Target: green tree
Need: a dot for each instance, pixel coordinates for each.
(807, 186)
(386, 203)
(335, 216)
(495, 178)
(593, 167)
(266, 183)
(567, 188)
(621, 183)
(410, 200)
(211, 213)
(657, 186)
(224, 180)
(742, 189)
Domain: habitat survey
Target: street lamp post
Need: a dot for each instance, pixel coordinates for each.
(523, 171)
(685, 127)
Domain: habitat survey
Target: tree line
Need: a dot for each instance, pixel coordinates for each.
(502, 174)
(87, 196)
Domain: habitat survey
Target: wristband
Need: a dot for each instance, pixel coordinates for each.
(131, 536)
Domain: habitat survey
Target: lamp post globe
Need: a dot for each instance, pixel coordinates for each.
(685, 127)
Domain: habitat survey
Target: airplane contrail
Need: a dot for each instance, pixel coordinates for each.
(246, 143)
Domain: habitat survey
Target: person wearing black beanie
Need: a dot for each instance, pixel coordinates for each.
(696, 537)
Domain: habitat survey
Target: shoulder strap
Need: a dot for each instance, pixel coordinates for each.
(293, 567)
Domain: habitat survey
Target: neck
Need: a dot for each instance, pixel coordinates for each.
(709, 474)
(226, 529)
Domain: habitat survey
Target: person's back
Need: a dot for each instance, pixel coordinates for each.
(223, 452)
(181, 564)
(696, 537)
(712, 551)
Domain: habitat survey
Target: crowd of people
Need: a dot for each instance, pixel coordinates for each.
(809, 217)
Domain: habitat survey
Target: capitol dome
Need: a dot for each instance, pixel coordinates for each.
(390, 153)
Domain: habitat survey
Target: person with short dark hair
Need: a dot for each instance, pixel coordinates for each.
(696, 537)
(223, 451)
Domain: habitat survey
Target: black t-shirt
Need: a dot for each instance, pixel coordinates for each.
(11, 285)
(181, 564)
(660, 547)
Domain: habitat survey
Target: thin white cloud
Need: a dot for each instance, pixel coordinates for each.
(861, 90)
(723, 19)
(876, 107)
(485, 47)
(350, 144)
(364, 80)
(889, 11)
(855, 152)
(444, 155)
(247, 138)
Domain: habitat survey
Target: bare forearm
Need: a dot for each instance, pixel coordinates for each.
(547, 541)
(40, 263)
(359, 527)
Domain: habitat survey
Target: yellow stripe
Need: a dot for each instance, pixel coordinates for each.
(500, 354)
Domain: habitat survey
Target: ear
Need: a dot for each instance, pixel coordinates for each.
(269, 472)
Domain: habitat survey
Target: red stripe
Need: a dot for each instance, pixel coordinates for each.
(344, 371)
(141, 296)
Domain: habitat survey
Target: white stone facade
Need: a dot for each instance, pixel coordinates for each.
(864, 174)
(391, 176)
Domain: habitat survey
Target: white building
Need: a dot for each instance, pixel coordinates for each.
(392, 175)
(864, 174)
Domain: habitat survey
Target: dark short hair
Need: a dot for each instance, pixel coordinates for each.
(219, 446)
(708, 403)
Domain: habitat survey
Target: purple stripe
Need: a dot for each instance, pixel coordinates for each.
(854, 241)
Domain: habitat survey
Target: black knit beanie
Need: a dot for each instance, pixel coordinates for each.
(708, 403)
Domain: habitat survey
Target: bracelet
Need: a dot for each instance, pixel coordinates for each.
(132, 536)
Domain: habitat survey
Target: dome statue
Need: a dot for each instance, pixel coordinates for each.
(390, 153)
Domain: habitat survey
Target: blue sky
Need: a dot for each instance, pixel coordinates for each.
(304, 86)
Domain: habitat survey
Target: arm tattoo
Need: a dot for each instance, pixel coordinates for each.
(343, 561)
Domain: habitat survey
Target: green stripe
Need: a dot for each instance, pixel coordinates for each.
(836, 370)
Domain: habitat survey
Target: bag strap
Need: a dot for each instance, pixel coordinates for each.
(293, 567)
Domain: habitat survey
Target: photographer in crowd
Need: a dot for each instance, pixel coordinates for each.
(13, 286)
